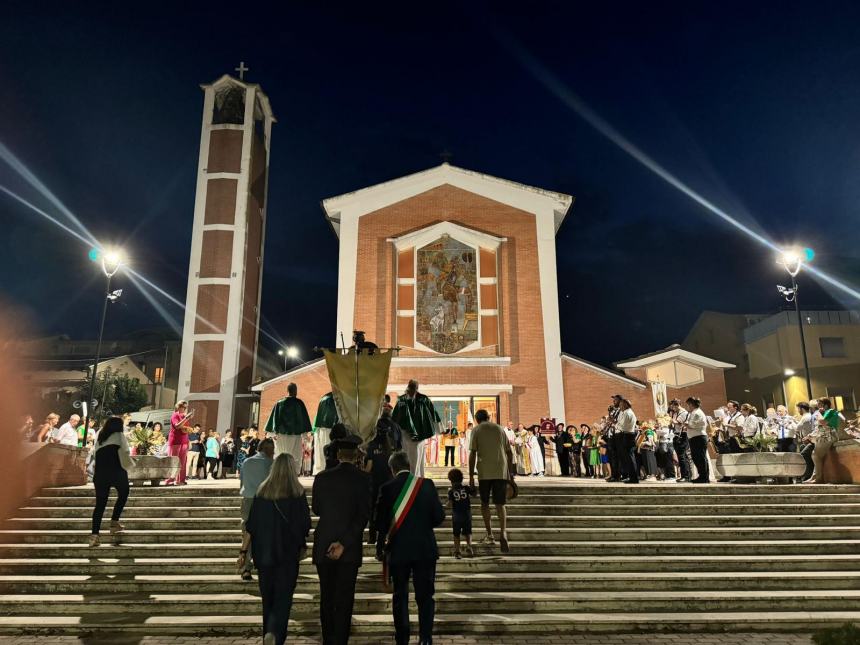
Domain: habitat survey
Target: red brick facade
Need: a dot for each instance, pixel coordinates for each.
(515, 326)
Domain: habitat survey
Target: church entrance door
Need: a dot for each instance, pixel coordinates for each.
(459, 411)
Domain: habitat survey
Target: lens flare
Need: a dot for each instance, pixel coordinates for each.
(552, 83)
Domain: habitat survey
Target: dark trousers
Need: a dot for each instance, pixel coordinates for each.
(629, 466)
(615, 462)
(649, 461)
(682, 449)
(786, 445)
(699, 448)
(424, 581)
(576, 462)
(102, 494)
(277, 585)
(337, 593)
(564, 462)
(449, 453)
(213, 466)
(806, 451)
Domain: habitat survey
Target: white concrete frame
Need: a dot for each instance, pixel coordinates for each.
(475, 240)
(232, 336)
(549, 209)
(675, 353)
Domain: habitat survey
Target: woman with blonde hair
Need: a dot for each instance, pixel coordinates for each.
(277, 526)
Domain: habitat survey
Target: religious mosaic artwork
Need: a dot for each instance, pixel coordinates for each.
(447, 289)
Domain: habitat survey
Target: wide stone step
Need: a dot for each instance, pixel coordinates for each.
(554, 556)
(464, 582)
(564, 514)
(786, 547)
(227, 624)
(528, 498)
(527, 488)
(306, 605)
(678, 521)
(583, 532)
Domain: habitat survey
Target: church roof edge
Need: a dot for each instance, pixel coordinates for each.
(394, 190)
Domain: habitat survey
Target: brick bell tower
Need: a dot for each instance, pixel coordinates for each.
(219, 340)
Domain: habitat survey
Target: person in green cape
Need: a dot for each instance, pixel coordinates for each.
(323, 423)
(419, 421)
(288, 422)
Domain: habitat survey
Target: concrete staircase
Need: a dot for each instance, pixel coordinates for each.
(584, 558)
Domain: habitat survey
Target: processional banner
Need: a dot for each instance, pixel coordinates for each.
(661, 403)
(358, 383)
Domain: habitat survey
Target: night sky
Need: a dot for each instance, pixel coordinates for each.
(755, 105)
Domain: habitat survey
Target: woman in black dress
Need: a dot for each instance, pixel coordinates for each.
(277, 526)
(112, 460)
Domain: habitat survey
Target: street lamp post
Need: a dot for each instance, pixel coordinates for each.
(290, 352)
(793, 261)
(111, 262)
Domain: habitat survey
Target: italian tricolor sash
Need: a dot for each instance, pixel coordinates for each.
(404, 502)
(401, 509)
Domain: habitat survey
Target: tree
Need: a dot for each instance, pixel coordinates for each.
(119, 393)
(128, 394)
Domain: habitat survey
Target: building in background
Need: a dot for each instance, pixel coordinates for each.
(767, 350)
(220, 334)
(458, 269)
(59, 367)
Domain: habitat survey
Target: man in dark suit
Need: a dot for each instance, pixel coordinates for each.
(411, 549)
(341, 499)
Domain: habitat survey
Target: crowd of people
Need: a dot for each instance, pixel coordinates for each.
(364, 484)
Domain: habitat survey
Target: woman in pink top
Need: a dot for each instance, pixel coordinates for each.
(177, 441)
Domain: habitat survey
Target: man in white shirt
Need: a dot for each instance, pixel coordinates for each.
(626, 427)
(803, 434)
(66, 434)
(697, 431)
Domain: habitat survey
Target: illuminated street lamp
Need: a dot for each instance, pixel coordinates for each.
(792, 260)
(111, 261)
(291, 352)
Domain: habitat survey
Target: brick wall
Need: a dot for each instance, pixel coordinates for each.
(312, 384)
(588, 392)
(520, 326)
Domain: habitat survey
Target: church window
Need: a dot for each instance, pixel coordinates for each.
(446, 306)
(229, 105)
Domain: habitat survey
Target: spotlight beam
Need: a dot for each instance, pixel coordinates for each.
(556, 87)
(18, 166)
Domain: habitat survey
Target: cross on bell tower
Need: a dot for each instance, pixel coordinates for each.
(242, 69)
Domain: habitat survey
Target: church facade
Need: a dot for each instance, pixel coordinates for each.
(458, 270)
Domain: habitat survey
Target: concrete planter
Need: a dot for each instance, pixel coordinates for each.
(842, 464)
(153, 469)
(759, 465)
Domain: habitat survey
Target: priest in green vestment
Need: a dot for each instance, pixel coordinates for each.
(287, 424)
(324, 422)
(418, 419)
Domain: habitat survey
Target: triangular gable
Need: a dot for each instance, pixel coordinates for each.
(526, 198)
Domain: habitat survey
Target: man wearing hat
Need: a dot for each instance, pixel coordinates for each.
(341, 500)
